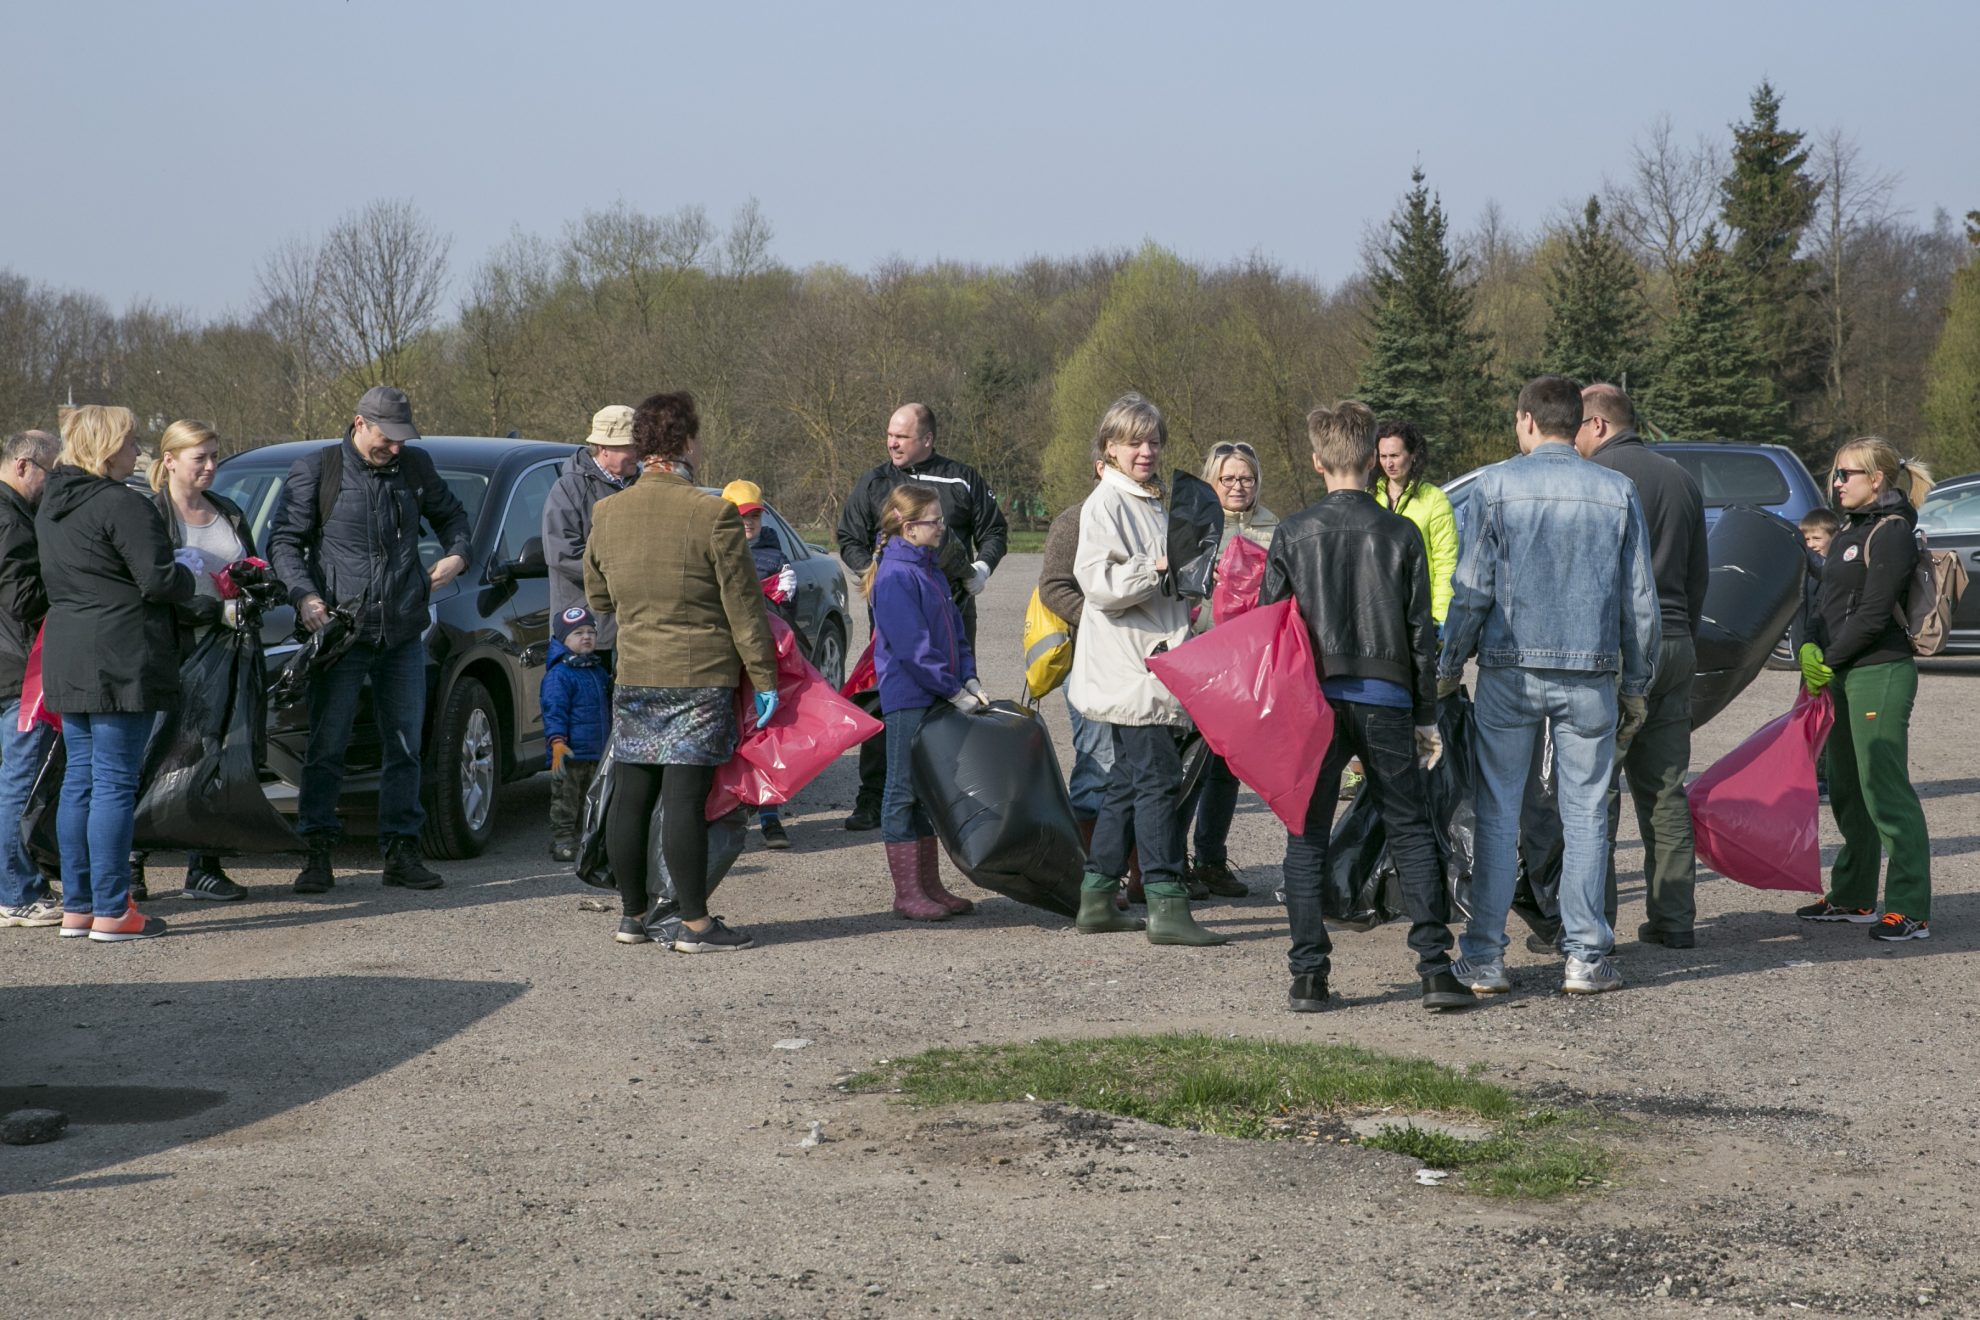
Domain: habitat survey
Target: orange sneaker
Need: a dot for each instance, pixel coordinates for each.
(133, 925)
(75, 925)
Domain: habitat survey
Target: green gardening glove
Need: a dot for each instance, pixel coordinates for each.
(1813, 672)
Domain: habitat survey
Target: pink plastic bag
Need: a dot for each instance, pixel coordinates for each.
(1753, 814)
(1240, 574)
(33, 707)
(811, 726)
(864, 677)
(1253, 691)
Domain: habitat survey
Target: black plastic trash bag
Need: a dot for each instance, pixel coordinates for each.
(991, 785)
(38, 816)
(1537, 885)
(1196, 525)
(1755, 588)
(201, 782)
(1361, 887)
(319, 649)
(725, 844)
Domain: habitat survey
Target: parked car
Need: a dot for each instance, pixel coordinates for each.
(1950, 519)
(490, 633)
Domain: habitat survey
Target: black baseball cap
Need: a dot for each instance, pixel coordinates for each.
(387, 408)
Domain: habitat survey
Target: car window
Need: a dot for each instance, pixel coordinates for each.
(524, 518)
(1955, 510)
(471, 489)
(257, 491)
(1733, 476)
(795, 550)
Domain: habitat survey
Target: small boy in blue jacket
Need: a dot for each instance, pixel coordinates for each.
(577, 715)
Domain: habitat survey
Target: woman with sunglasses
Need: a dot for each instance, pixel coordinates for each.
(1862, 654)
(1232, 471)
(1402, 455)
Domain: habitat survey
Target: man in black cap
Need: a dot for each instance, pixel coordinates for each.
(346, 536)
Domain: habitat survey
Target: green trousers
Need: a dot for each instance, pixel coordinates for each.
(1655, 764)
(1870, 792)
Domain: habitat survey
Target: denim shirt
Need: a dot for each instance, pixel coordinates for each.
(1555, 572)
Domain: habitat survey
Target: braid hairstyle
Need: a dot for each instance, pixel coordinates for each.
(905, 503)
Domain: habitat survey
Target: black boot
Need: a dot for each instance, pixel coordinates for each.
(1308, 994)
(139, 892)
(316, 877)
(402, 866)
(865, 816)
(1443, 990)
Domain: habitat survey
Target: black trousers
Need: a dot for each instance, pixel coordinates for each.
(681, 791)
(1383, 737)
(1141, 809)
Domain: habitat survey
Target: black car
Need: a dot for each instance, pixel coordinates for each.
(490, 633)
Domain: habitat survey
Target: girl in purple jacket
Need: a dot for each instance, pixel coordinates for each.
(922, 660)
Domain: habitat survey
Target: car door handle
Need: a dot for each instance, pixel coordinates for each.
(1975, 556)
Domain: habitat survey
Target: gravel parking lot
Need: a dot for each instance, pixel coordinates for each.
(473, 1102)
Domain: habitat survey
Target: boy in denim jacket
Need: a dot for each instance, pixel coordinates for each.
(577, 715)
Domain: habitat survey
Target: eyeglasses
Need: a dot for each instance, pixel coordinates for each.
(937, 521)
(1235, 482)
(1840, 475)
(1233, 447)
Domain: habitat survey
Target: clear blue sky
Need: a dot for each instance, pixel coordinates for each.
(153, 150)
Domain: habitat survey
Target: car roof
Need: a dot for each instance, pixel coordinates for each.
(479, 449)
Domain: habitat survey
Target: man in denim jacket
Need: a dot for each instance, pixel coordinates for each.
(1554, 593)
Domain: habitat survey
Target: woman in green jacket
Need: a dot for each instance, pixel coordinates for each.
(1403, 454)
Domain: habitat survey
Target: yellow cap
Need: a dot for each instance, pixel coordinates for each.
(747, 496)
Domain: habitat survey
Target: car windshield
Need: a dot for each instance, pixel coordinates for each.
(1732, 476)
(1955, 510)
(256, 489)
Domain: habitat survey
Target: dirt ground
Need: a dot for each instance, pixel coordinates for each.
(473, 1102)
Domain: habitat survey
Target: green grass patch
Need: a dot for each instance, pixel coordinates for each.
(1250, 1088)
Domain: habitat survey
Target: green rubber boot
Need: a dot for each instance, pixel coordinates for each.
(1099, 916)
(1169, 921)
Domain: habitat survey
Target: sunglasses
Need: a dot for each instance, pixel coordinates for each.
(1233, 447)
(1840, 475)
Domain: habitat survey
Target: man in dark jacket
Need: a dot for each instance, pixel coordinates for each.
(1659, 756)
(354, 545)
(976, 539)
(1361, 578)
(25, 899)
(605, 465)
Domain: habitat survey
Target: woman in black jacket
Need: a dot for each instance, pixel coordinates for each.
(110, 658)
(214, 526)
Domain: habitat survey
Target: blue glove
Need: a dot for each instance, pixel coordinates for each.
(766, 706)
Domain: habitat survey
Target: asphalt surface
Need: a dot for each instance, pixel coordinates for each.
(473, 1102)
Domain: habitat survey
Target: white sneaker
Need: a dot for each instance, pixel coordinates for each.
(1591, 978)
(41, 912)
(1484, 976)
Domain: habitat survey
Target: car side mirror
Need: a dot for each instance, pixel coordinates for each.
(529, 564)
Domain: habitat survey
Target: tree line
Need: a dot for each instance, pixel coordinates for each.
(1764, 288)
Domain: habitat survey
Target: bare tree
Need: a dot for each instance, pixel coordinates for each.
(384, 269)
(292, 314)
(497, 325)
(624, 251)
(1671, 194)
(746, 249)
(1853, 200)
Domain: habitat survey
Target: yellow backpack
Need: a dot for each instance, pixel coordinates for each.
(1048, 649)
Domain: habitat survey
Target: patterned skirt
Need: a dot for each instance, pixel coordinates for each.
(673, 726)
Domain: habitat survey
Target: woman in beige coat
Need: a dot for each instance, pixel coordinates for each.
(1131, 612)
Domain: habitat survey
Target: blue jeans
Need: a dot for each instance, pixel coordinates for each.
(1093, 762)
(21, 755)
(901, 818)
(1510, 705)
(398, 703)
(98, 807)
(1216, 807)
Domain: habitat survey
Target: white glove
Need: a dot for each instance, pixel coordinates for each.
(1429, 746)
(977, 689)
(979, 577)
(969, 703)
(787, 582)
(190, 559)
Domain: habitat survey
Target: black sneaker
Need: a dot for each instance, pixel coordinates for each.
(773, 833)
(1536, 942)
(316, 876)
(1827, 911)
(1442, 990)
(563, 851)
(204, 880)
(1896, 926)
(1219, 879)
(1194, 884)
(139, 891)
(632, 930)
(402, 866)
(1308, 995)
(864, 818)
(716, 939)
(1670, 939)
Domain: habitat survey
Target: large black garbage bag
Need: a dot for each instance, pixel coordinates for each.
(201, 782)
(319, 650)
(1755, 587)
(1196, 525)
(1537, 887)
(725, 844)
(1362, 888)
(991, 785)
(38, 817)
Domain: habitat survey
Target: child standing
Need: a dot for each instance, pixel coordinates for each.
(921, 657)
(779, 581)
(576, 697)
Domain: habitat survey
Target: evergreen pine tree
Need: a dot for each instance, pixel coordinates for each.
(1711, 383)
(1425, 362)
(1952, 380)
(1596, 314)
(1767, 202)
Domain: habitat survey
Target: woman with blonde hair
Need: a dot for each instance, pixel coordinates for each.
(1863, 655)
(110, 658)
(1131, 611)
(212, 525)
(922, 658)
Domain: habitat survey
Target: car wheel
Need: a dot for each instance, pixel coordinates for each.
(460, 813)
(1783, 657)
(829, 656)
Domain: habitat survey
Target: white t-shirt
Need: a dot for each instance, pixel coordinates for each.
(217, 546)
